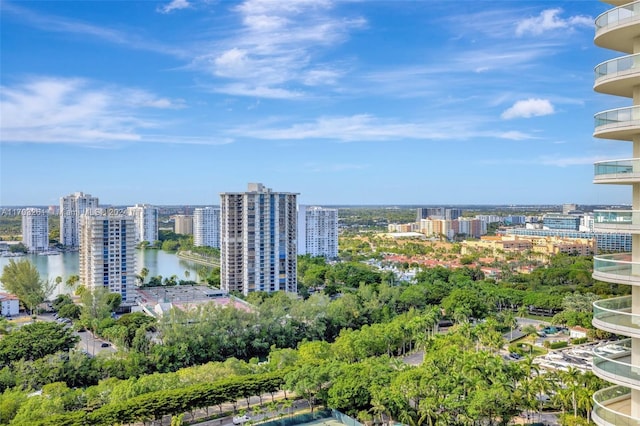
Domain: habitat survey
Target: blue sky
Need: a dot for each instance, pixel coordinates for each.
(348, 102)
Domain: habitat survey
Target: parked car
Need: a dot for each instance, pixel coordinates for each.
(104, 345)
(238, 420)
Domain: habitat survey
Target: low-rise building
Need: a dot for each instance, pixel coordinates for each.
(9, 304)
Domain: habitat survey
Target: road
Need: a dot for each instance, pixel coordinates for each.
(87, 341)
(228, 421)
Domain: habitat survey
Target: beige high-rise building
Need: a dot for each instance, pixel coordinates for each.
(618, 30)
(183, 224)
(258, 240)
(107, 253)
(71, 208)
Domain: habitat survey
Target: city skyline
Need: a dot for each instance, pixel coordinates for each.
(346, 103)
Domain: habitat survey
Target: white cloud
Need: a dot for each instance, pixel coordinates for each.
(274, 50)
(73, 110)
(529, 108)
(174, 5)
(365, 127)
(59, 24)
(549, 20)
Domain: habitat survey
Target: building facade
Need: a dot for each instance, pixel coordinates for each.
(107, 253)
(71, 208)
(35, 230)
(258, 241)
(318, 231)
(145, 218)
(561, 221)
(183, 224)
(206, 227)
(618, 30)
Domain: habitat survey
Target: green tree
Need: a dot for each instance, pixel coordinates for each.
(23, 279)
(34, 341)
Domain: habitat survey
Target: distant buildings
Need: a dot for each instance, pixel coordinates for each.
(35, 229)
(318, 231)
(71, 208)
(107, 253)
(206, 227)
(145, 218)
(258, 247)
(183, 224)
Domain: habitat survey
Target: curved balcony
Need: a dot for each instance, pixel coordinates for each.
(621, 123)
(613, 407)
(613, 364)
(616, 268)
(617, 220)
(616, 28)
(618, 76)
(617, 171)
(614, 315)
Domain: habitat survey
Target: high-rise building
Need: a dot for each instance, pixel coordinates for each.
(318, 231)
(206, 227)
(145, 218)
(35, 229)
(452, 214)
(618, 29)
(258, 245)
(183, 224)
(107, 253)
(71, 208)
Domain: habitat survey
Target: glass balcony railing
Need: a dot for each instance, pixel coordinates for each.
(616, 168)
(615, 315)
(612, 406)
(618, 15)
(613, 362)
(616, 268)
(621, 117)
(628, 220)
(618, 66)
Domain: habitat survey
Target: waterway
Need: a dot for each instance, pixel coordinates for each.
(158, 262)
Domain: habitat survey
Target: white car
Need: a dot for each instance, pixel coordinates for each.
(238, 420)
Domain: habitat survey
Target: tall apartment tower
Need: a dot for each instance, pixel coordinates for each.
(318, 231)
(183, 224)
(206, 227)
(71, 208)
(107, 253)
(618, 29)
(145, 218)
(258, 242)
(35, 229)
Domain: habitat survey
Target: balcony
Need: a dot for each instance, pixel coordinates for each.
(616, 268)
(616, 28)
(613, 406)
(617, 171)
(617, 220)
(614, 315)
(618, 76)
(620, 124)
(613, 364)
